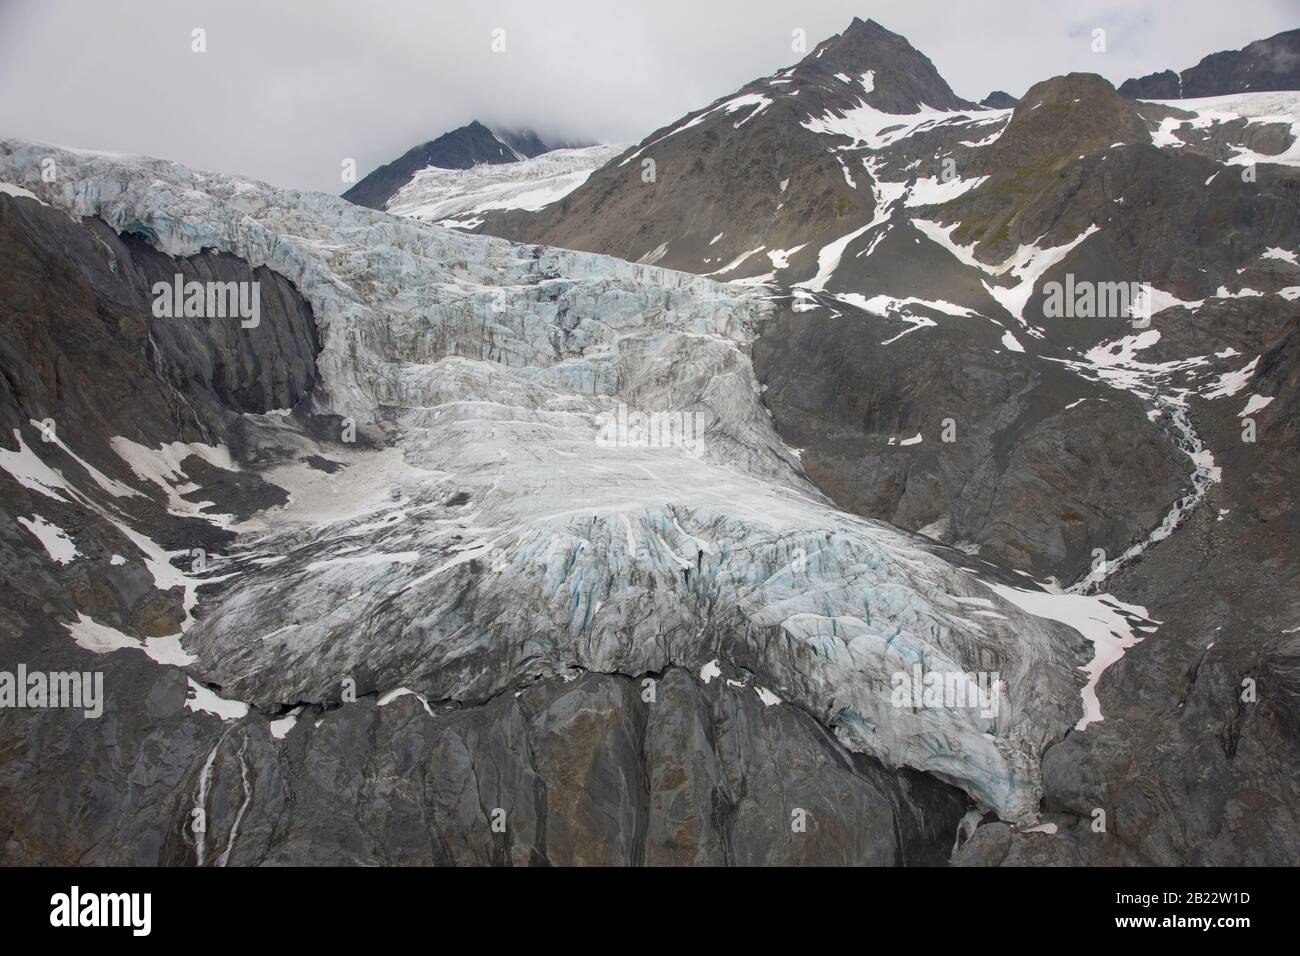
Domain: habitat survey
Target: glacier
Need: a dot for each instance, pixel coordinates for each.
(454, 197)
(483, 536)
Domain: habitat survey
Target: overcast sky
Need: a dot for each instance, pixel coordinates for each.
(288, 88)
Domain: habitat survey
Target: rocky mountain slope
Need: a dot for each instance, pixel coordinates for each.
(1259, 67)
(462, 148)
(746, 174)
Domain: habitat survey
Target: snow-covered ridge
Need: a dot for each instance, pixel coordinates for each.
(501, 539)
(455, 197)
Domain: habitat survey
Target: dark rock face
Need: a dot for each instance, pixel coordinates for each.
(83, 352)
(91, 338)
(717, 758)
(998, 100)
(460, 149)
(601, 771)
(1259, 67)
(1217, 688)
(1030, 481)
(987, 846)
(1273, 492)
(98, 791)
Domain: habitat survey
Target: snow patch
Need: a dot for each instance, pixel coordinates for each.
(1254, 404)
(1105, 621)
(12, 189)
(54, 539)
(207, 701)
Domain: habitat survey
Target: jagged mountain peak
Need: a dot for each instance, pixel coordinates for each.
(902, 79)
(473, 144)
(859, 37)
(810, 115)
